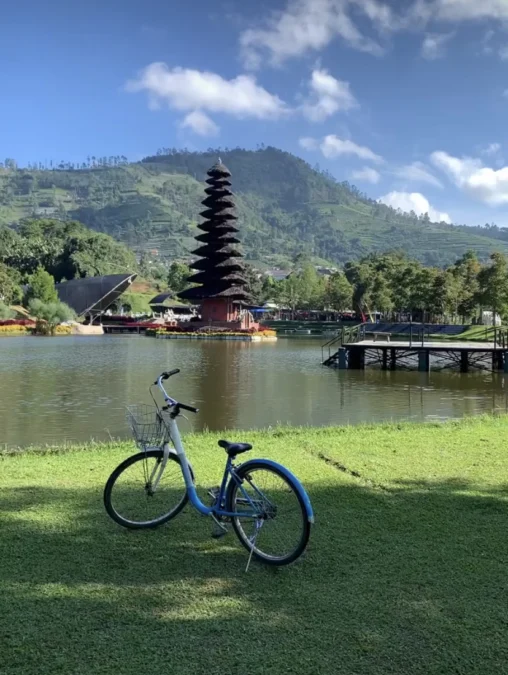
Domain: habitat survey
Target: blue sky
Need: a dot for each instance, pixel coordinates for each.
(408, 99)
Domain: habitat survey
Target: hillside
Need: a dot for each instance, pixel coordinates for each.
(285, 208)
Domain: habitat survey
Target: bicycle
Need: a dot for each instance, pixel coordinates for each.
(259, 515)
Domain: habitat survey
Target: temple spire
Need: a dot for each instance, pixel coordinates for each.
(219, 269)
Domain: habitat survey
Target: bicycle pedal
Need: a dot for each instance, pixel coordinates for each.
(214, 492)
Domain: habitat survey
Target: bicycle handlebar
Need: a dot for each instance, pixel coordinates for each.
(167, 374)
(172, 403)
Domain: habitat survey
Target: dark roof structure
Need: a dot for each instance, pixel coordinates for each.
(220, 269)
(162, 297)
(93, 295)
(165, 301)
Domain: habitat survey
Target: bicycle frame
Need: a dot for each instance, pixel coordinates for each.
(229, 472)
(191, 489)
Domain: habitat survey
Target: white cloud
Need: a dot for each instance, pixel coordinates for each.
(188, 90)
(503, 53)
(483, 183)
(308, 143)
(505, 93)
(328, 96)
(491, 149)
(414, 201)
(486, 42)
(331, 146)
(433, 45)
(310, 25)
(367, 175)
(464, 10)
(200, 123)
(418, 172)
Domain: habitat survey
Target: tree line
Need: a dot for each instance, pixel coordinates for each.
(389, 283)
(64, 250)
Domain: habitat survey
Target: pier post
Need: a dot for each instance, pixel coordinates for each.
(393, 359)
(505, 358)
(342, 358)
(356, 358)
(498, 360)
(385, 358)
(464, 361)
(423, 360)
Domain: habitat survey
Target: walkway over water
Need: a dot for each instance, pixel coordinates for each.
(392, 355)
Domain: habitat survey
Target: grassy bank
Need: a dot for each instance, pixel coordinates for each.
(405, 572)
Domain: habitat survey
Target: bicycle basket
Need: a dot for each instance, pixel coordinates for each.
(148, 425)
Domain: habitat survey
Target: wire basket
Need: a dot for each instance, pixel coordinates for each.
(148, 425)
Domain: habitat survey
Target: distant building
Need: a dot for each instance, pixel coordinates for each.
(326, 271)
(277, 274)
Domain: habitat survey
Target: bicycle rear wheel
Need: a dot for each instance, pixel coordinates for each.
(130, 497)
(280, 533)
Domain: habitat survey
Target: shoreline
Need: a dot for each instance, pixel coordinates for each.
(488, 422)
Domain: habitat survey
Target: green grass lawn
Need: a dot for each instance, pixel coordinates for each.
(472, 334)
(406, 570)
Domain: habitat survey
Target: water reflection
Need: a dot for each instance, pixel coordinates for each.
(71, 389)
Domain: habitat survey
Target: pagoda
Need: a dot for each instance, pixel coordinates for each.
(219, 271)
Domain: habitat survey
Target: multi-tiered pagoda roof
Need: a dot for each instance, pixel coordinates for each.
(220, 270)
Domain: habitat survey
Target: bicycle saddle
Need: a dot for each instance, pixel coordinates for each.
(234, 449)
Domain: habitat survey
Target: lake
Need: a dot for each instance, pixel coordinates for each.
(61, 389)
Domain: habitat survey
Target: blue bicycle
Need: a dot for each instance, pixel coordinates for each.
(266, 504)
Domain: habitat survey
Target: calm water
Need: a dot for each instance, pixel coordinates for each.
(75, 388)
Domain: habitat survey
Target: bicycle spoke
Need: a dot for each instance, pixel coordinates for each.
(133, 496)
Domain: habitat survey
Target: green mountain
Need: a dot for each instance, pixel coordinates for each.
(285, 206)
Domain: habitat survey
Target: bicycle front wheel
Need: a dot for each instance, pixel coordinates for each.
(279, 532)
(134, 500)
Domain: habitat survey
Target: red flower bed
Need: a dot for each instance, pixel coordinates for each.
(17, 322)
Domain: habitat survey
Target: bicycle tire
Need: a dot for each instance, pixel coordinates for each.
(110, 484)
(231, 504)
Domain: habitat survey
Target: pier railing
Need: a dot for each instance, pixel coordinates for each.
(346, 335)
(501, 337)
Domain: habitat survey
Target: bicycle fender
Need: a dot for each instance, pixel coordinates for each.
(301, 490)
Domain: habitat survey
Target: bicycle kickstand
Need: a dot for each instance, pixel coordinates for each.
(259, 525)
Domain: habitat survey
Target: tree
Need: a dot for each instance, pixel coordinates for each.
(49, 315)
(339, 292)
(290, 292)
(422, 290)
(443, 295)
(381, 294)
(493, 283)
(177, 277)
(254, 284)
(10, 289)
(311, 287)
(42, 287)
(360, 276)
(466, 271)
(5, 311)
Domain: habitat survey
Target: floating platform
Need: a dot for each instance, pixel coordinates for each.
(421, 356)
(205, 336)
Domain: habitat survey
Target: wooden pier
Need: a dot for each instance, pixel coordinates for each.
(354, 350)
(465, 356)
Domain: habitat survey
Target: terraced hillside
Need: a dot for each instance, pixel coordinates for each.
(285, 207)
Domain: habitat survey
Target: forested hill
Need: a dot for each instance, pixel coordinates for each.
(285, 207)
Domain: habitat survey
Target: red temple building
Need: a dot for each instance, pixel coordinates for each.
(221, 292)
